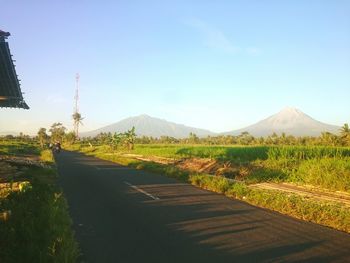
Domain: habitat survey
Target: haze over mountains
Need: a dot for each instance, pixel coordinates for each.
(291, 121)
(148, 126)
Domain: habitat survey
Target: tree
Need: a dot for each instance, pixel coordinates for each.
(329, 139)
(103, 138)
(77, 121)
(42, 137)
(57, 132)
(245, 138)
(345, 134)
(193, 138)
(70, 137)
(129, 138)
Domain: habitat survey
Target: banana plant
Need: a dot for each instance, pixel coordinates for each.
(129, 138)
(116, 140)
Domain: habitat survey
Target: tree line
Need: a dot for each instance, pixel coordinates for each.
(58, 133)
(325, 139)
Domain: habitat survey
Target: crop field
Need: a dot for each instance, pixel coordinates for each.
(243, 153)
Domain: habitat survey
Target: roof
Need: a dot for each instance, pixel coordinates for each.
(10, 91)
(4, 34)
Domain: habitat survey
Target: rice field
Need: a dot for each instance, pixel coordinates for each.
(244, 153)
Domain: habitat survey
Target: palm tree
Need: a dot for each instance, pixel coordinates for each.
(77, 121)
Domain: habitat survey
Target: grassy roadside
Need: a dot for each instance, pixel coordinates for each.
(324, 213)
(37, 226)
(321, 212)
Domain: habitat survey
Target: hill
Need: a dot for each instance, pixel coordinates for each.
(148, 126)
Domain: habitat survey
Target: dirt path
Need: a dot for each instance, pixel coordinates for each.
(205, 165)
(310, 191)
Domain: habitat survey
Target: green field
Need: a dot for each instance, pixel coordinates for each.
(18, 148)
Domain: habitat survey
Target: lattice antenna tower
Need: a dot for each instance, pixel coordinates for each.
(76, 114)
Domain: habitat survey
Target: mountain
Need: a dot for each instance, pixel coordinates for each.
(291, 121)
(149, 126)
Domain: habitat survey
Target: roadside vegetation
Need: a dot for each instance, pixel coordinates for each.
(34, 221)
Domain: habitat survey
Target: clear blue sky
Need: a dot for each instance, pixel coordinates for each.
(219, 65)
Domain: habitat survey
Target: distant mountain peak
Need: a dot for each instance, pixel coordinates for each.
(146, 125)
(289, 120)
(291, 110)
(142, 116)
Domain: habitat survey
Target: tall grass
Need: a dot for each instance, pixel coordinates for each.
(235, 154)
(328, 173)
(38, 229)
(307, 152)
(47, 156)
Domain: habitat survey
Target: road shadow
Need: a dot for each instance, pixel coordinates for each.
(116, 223)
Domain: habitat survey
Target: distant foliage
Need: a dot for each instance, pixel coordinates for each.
(57, 131)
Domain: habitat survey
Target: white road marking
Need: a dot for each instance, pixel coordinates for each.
(110, 168)
(141, 191)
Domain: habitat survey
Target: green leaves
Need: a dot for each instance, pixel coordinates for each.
(127, 138)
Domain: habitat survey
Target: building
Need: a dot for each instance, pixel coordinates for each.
(10, 91)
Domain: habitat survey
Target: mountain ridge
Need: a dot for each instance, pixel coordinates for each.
(146, 125)
(289, 120)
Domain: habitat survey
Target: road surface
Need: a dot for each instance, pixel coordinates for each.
(126, 215)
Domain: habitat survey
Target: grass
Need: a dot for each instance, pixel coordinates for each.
(236, 154)
(329, 173)
(46, 156)
(37, 227)
(325, 213)
(11, 147)
(307, 152)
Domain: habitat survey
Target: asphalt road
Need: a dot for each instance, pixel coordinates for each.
(126, 215)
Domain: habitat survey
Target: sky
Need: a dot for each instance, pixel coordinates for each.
(218, 65)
